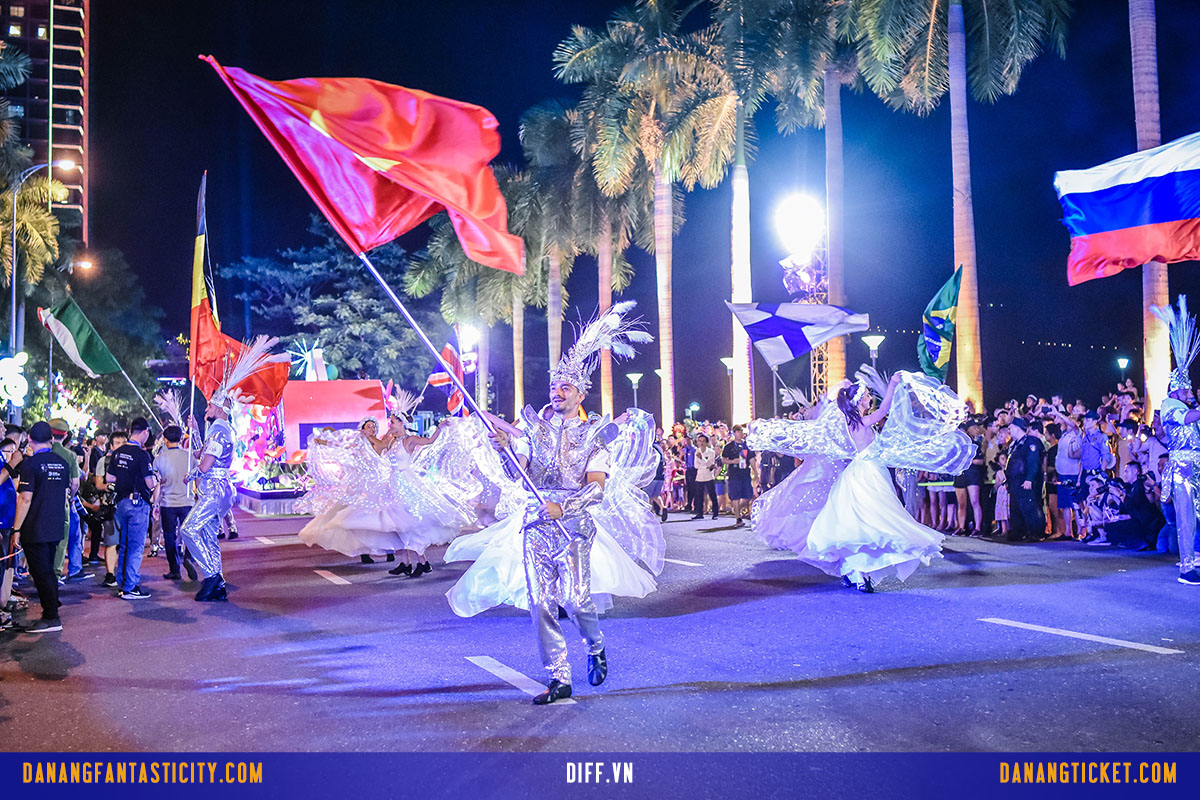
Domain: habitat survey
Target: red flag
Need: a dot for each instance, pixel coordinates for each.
(379, 159)
(210, 349)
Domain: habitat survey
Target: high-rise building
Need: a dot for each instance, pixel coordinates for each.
(54, 101)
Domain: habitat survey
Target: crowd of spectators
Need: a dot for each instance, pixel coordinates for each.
(76, 509)
(1044, 469)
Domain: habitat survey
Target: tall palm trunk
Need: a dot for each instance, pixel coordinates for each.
(554, 309)
(664, 218)
(481, 368)
(742, 402)
(518, 346)
(1155, 291)
(604, 261)
(970, 365)
(835, 184)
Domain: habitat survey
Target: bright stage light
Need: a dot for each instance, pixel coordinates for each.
(468, 337)
(65, 163)
(800, 225)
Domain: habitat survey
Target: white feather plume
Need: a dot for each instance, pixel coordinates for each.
(171, 404)
(611, 331)
(1181, 330)
(873, 379)
(405, 403)
(257, 356)
(794, 397)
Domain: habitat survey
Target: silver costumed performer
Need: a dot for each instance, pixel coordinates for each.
(214, 498)
(566, 457)
(213, 484)
(1181, 423)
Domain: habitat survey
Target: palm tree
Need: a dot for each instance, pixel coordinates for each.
(661, 102)
(745, 28)
(473, 294)
(37, 227)
(1155, 292)
(546, 140)
(920, 52)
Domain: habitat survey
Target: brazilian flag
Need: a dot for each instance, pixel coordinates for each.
(937, 329)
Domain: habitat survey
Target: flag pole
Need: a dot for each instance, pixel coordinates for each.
(139, 394)
(468, 398)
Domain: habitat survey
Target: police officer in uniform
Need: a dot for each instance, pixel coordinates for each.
(1026, 475)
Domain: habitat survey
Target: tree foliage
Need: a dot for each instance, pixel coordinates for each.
(321, 292)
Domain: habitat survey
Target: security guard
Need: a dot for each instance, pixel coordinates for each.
(1026, 474)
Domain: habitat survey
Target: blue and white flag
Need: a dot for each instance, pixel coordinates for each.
(785, 331)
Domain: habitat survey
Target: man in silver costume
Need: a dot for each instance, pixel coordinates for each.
(565, 455)
(214, 500)
(214, 489)
(1181, 422)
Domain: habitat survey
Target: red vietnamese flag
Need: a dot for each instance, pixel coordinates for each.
(210, 349)
(379, 159)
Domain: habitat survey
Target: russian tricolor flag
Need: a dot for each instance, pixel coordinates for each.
(1140, 208)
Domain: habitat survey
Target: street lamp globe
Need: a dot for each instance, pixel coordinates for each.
(728, 362)
(65, 164)
(1122, 364)
(873, 341)
(468, 337)
(634, 378)
(800, 225)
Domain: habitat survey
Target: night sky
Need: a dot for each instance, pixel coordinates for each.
(160, 118)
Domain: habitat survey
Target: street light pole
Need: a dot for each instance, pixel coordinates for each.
(728, 362)
(634, 378)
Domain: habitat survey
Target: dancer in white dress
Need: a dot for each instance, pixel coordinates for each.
(857, 528)
(367, 503)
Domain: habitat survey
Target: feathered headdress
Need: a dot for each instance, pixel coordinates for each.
(1185, 341)
(255, 357)
(171, 404)
(404, 405)
(870, 378)
(609, 331)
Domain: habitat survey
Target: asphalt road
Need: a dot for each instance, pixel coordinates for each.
(742, 648)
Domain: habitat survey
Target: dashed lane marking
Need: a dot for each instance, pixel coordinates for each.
(329, 576)
(1090, 637)
(506, 673)
(682, 563)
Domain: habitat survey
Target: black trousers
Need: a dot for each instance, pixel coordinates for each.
(689, 487)
(701, 490)
(40, 558)
(1026, 517)
(95, 530)
(172, 518)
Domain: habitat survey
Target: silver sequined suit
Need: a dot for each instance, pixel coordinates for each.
(213, 501)
(558, 567)
(1183, 476)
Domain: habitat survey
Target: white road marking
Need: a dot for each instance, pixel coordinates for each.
(1149, 648)
(265, 540)
(329, 576)
(683, 563)
(506, 673)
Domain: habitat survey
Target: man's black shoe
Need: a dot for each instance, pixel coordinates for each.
(213, 588)
(402, 569)
(172, 576)
(597, 668)
(233, 534)
(1191, 578)
(136, 593)
(51, 625)
(698, 516)
(557, 690)
(367, 559)
(420, 569)
(220, 536)
(110, 580)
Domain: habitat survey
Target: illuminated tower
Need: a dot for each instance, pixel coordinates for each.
(54, 101)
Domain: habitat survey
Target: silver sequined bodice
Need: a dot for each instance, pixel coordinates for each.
(559, 454)
(1180, 435)
(219, 443)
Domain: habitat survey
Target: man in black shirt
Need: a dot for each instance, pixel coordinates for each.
(740, 486)
(132, 477)
(42, 519)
